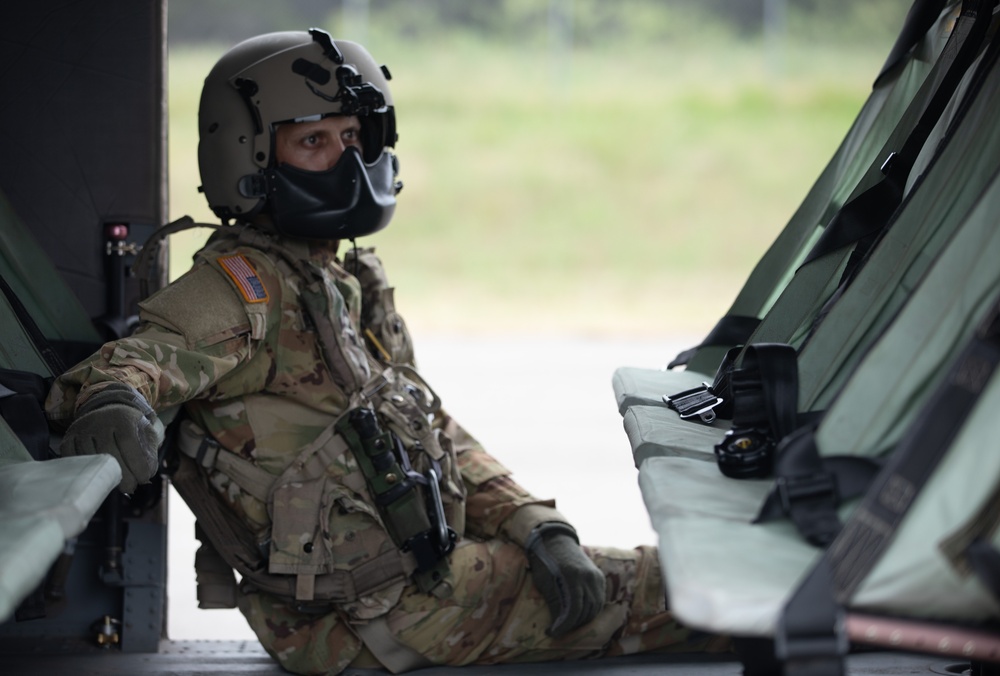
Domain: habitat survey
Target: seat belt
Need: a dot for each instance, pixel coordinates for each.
(871, 212)
(919, 20)
(861, 255)
(868, 213)
(810, 636)
(737, 329)
(808, 488)
(22, 406)
(38, 339)
(765, 398)
(730, 330)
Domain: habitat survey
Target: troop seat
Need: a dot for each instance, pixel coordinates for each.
(898, 98)
(43, 503)
(726, 573)
(843, 321)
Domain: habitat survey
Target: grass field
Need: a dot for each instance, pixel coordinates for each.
(623, 191)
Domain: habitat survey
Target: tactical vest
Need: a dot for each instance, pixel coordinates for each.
(375, 499)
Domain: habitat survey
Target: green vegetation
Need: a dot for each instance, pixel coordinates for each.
(625, 188)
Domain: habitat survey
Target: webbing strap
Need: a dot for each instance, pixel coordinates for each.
(984, 560)
(811, 629)
(765, 392)
(22, 402)
(868, 533)
(861, 254)
(239, 549)
(729, 331)
(142, 267)
(810, 639)
(394, 655)
(198, 445)
(871, 211)
(38, 339)
(809, 488)
(919, 20)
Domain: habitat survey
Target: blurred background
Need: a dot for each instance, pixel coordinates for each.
(588, 166)
(587, 185)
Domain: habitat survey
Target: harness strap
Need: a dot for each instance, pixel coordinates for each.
(142, 267)
(765, 404)
(730, 330)
(919, 21)
(240, 550)
(38, 339)
(198, 445)
(22, 397)
(868, 213)
(387, 649)
(810, 636)
(809, 488)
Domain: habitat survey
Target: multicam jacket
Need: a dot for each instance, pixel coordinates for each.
(232, 341)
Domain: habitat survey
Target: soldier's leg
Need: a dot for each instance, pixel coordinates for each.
(496, 614)
(302, 644)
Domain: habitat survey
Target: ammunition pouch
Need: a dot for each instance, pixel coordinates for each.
(292, 560)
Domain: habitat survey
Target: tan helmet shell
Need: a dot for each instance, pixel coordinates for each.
(268, 79)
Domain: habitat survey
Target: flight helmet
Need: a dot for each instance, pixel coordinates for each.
(297, 76)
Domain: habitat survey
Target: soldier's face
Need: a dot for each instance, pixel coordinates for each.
(316, 146)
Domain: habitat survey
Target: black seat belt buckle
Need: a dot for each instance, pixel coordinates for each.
(699, 401)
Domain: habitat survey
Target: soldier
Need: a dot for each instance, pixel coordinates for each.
(369, 528)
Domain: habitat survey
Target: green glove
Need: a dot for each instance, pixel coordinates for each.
(118, 421)
(572, 586)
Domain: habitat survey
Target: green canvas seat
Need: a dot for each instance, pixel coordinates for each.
(889, 112)
(42, 504)
(727, 574)
(921, 228)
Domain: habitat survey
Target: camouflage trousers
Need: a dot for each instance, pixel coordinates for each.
(495, 615)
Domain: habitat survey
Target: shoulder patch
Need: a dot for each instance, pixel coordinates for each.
(201, 306)
(244, 275)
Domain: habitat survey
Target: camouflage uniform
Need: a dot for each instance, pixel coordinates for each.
(230, 341)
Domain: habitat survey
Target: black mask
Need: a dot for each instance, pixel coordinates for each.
(351, 199)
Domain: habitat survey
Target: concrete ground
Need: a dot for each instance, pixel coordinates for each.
(543, 406)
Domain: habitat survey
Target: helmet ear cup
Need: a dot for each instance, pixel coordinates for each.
(276, 78)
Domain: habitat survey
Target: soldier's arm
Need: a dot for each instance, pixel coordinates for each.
(193, 334)
(496, 505)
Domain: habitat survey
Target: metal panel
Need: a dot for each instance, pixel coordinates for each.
(82, 127)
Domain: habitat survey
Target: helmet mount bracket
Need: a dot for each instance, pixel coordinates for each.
(325, 41)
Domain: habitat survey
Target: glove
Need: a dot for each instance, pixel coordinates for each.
(572, 586)
(118, 421)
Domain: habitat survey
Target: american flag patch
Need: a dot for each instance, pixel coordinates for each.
(247, 281)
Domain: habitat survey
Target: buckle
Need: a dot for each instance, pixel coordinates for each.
(745, 454)
(792, 489)
(699, 401)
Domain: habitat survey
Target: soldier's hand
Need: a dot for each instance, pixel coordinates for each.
(118, 421)
(572, 586)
